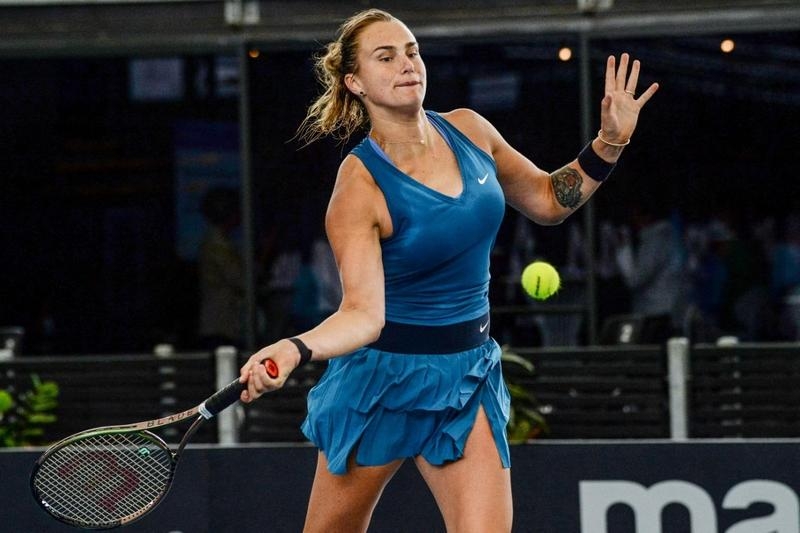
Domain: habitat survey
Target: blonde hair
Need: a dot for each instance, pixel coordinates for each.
(337, 111)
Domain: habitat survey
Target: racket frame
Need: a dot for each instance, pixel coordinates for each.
(141, 428)
(209, 408)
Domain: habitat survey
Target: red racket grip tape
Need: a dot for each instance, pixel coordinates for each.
(272, 368)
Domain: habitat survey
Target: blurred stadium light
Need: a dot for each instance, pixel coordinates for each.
(591, 6)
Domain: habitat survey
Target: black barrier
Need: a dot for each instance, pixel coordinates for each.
(615, 392)
(102, 390)
(594, 392)
(565, 487)
(745, 390)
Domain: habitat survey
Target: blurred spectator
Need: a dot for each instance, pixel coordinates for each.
(279, 290)
(730, 275)
(785, 277)
(304, 310)
(655, 271)
(323, 264)
(220, 271)
(302, 286)
(613, 295)
(745, 295)
(708, 274)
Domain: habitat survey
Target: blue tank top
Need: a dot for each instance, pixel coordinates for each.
(436, 262)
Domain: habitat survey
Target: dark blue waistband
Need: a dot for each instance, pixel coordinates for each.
(413, 339)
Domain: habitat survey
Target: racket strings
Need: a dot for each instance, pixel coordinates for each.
(104, 478)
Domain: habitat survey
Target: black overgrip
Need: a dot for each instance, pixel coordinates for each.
(225, 397)
(222, 398)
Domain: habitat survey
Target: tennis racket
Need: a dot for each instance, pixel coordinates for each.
(110, 476)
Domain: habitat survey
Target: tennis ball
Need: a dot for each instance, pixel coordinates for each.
(540, 280)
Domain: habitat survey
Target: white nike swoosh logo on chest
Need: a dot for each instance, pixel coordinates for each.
(483, 179)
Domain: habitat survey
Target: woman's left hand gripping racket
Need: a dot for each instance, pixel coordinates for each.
(110, 476)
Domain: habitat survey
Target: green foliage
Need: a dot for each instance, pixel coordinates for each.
(526, 421)
(23, 418)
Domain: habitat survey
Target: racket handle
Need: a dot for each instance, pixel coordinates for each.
(224, 398)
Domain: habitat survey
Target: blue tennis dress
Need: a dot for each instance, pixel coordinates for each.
(384, 402)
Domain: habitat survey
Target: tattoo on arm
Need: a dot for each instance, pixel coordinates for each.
(567, 186)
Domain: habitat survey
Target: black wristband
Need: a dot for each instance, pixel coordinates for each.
(593, 165)
(305, 352)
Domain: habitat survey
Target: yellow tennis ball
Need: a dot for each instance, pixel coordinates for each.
(540, 280)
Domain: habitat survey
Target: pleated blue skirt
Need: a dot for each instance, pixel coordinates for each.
(384, 406)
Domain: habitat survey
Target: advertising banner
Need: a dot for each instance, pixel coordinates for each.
(569, 487)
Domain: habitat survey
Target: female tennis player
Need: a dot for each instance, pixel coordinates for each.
(412, 218)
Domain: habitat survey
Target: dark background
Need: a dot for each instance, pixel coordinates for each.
(87, 174)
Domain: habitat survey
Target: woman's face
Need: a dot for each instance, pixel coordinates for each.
(390, 70)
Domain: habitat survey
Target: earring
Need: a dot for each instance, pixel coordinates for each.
(362, 93)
